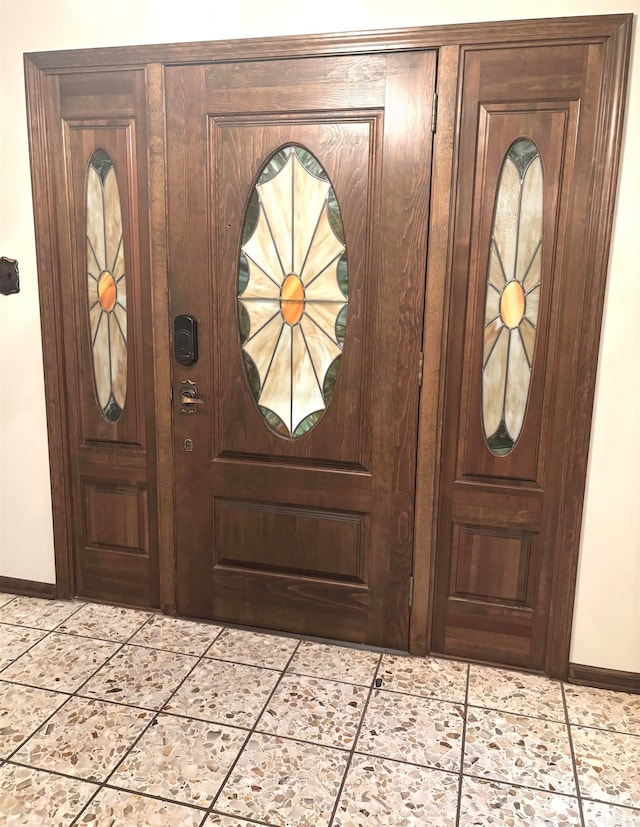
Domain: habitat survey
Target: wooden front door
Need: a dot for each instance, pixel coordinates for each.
(295, 473)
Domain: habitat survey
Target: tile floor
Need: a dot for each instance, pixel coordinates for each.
(110, 716)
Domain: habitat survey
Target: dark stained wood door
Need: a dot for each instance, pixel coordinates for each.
(504, 475)
(311, 533)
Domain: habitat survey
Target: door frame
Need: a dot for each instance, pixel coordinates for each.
(611, 32)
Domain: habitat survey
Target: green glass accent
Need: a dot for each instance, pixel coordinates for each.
(343, 275)
(112, 410)
(522, 153)
(101, 162)
(501, 442)
(341, 326)
(310, 163)
(251, 216)
(243, 273)
(273, 167)
(307, 424)
(252, 375)
(335, 217)
(274, 421)
(244, 322)
(331, 375)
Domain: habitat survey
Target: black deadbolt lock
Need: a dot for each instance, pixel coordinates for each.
(9, 281)
(185, 340)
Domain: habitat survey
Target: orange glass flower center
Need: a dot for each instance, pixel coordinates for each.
(512, 304)
(107, 291)
(292, 299)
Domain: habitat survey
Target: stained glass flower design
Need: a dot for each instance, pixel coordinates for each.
(512, 297)
(292, 291)
(106, 286)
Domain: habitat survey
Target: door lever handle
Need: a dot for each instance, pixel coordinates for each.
(189, 397)
(185, 399)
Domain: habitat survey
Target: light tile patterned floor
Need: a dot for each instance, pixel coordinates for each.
(117, 718)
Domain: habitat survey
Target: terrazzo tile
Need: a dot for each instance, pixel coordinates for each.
(84, 738)
(139, 676)
(389, 793)
(597, 814)
(111, 808)
(336, 663)
(608, 765)
(22, 710)
(324, 712)
(284, 782)
(216, 820)
(176, 635)
(180, 759)
(37, 612)
(61, 662)
(5, 598)
(31, 798)
(410, 728)
(515, 692)
(603, 709)
(107, 622)
(530, 751)
(488, 803)
(252, 648)
(230, 693)
(15, 640)
(429, 677)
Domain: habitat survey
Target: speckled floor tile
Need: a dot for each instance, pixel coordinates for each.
(180, 759)
(608, 765)
(32, 798)
(429, 677)
(284, 782)
(336, 663)
(253, 648)
(230, 693)
(15, 640)
(60, 662)
(5, 598)
(410, 728)
(107, 622)
(513, 748)
(382, 792)
(515, 692)
(22, 710)
(489, 803)
(603, 709)
(324, 712)
(216, 820)
(116, 808)
(139, 676)
(85, 738)
(608, 815)
(176, 635)
(38, 612)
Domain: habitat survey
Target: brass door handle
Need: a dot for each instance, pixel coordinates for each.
(189, 400)
(185, 399)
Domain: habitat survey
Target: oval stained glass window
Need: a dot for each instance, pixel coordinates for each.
(106, 286)
(512, 296)
(292, 291)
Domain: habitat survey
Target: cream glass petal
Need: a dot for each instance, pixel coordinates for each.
(322, 349)
(307, 393)
(493, 380)
(277, 391)
(262, 345)
(94, 317)
(532, 305)
(492, 304)
(505, 227)
(260, 312)
(325, 286)
(491, 333)
(530, 227)
(261, 250)
(121, 320)
(496, 276)
(276, 204)
(118, 263)
(310, 195)
(325, 248)
(528, 334)
(260, 286)
(532, 275)
(118, 362)
(112, 219)
(325, 315)
(101, 368)
(95, 224)
(121, 295)
(518, 377)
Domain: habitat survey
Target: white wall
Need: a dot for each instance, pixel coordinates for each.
(607, 618)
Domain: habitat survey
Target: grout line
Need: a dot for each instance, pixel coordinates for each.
(465, 710)
(252, 730)
(352, 751)
(573, 756)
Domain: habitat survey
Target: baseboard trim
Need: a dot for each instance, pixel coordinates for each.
(30, 588)
(604, 678)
